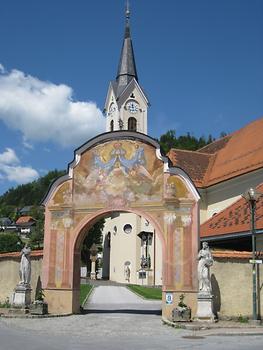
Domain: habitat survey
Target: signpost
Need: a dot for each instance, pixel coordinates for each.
(254, 261)
(169, 298)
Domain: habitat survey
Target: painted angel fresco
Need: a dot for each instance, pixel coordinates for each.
(120, 173)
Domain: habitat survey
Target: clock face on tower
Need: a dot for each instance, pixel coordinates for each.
(132, 107)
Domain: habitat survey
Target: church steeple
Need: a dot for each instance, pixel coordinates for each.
(127, 67)
(126, 103)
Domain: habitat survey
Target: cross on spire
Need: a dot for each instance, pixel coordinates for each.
(127, 67)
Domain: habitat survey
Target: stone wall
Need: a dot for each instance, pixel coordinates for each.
(9, 273)
(231, 277)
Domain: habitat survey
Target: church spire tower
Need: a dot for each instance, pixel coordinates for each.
(126, 104)
(127, 67)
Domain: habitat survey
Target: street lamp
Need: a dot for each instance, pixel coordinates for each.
(251, 196)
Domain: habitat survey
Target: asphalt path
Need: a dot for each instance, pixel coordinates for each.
(120, 299)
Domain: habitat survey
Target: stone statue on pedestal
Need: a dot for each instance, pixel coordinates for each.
(22, 292)
(205, 262)
(204, 298)
(25, 266)
(127, 272)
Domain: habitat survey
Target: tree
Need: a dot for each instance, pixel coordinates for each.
(94, 235)
(187, 142)
(27, 194)
(37, 236)
(10, 242)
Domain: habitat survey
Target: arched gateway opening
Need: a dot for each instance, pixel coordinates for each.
(120, 172)
(131, 254)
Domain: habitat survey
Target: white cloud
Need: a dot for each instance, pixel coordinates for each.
(11, 170)
(8, 157)
(44, 112)
(26, 144)
(2, 69)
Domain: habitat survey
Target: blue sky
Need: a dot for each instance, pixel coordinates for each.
(200, 62)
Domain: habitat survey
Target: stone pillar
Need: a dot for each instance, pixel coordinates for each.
(93, 258)
(93, 267)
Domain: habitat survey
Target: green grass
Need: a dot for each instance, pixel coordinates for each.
(147, 292)
(242, 319)
(85, 289)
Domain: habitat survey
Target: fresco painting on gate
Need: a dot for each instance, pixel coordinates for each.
(63, 195)
(118, 173)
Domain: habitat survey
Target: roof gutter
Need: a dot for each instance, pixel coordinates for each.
(230, 236)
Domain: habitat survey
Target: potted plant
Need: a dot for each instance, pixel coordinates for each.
(182, 313)
(39, 306)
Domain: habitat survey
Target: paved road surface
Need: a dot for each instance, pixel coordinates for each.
(114, 329)
(116, 298)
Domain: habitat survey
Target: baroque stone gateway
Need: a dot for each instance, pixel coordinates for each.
(120, 172)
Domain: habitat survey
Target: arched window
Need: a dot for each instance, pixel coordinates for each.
(111, 125)
(132, 124)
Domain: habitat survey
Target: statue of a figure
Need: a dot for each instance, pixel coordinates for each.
(205, 261)
(25, 266)
(127, 273)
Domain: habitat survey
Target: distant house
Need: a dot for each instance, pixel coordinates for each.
(25, 224)
(25, 210)
(6, 224)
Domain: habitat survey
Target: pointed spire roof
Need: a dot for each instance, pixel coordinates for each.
(127, 67)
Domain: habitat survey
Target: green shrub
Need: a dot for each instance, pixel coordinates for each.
(5, 304)
(10, 242)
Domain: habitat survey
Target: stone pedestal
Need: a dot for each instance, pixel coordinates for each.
(181, 314)
(93, 270)
(204, 308)
(22, 296)
(39, 308)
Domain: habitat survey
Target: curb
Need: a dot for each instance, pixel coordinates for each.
(87, 296)
(35, 316)
(215, 331)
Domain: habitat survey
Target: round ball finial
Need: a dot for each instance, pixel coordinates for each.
(127, 12)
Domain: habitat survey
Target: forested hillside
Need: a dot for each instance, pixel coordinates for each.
(187, 142)
(28, 194)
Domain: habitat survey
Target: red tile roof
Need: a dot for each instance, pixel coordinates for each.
(231, 156)
(195, 164)
(233, 219)
(241, 154)
(215, 146)
(34, 253)
(24, 220)
(231, 254)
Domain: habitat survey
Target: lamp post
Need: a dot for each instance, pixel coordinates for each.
(251, 196)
